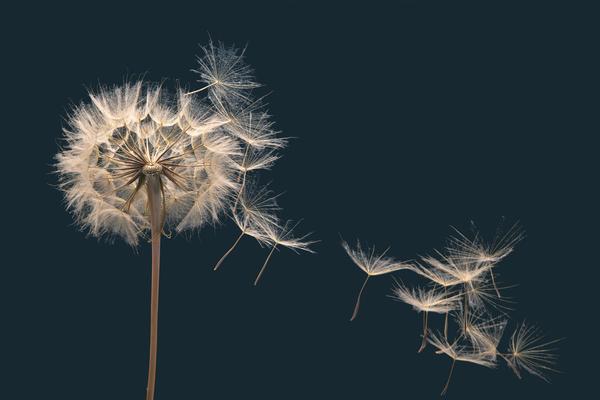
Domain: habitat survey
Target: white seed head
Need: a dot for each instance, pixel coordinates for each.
(136, 130)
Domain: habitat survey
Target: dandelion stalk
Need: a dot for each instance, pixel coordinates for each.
(357, 305)
(154, 191)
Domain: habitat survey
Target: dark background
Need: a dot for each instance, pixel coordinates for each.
(408, 119)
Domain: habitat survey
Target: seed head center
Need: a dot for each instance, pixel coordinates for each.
(152, 169)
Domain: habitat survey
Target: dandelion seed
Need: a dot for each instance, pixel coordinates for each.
(477, 251)
(449, 272)
(225, 74)
(484, 332)
(529, 351)
(253, 208)
(282, 236)
(458, 352)
(372, 264)
(426, 301)
(482, 294)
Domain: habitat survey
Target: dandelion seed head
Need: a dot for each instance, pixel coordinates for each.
(127, 133)
(529, 351)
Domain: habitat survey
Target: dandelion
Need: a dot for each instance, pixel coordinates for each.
(426, 301)
(372, 264)
(529, 351)
(139, 162)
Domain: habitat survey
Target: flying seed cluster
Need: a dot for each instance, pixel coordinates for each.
(462, 289)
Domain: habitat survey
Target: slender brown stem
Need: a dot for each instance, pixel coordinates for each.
(153, 186)
(449, 376)
(424, 341)
(262, 270)
(229, 251)
(357, 305)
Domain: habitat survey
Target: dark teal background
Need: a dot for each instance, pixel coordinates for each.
(407, 119)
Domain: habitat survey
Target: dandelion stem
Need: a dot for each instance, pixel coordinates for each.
(153, 187)
(229, 251)
(357, 305)
(265, 265)
(424, 342)
(449, 376)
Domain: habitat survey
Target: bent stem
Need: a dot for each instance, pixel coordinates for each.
(449, 376)
(424, 342)
(357, 305)
(262, 270)
(228, 251)
(154, 190)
